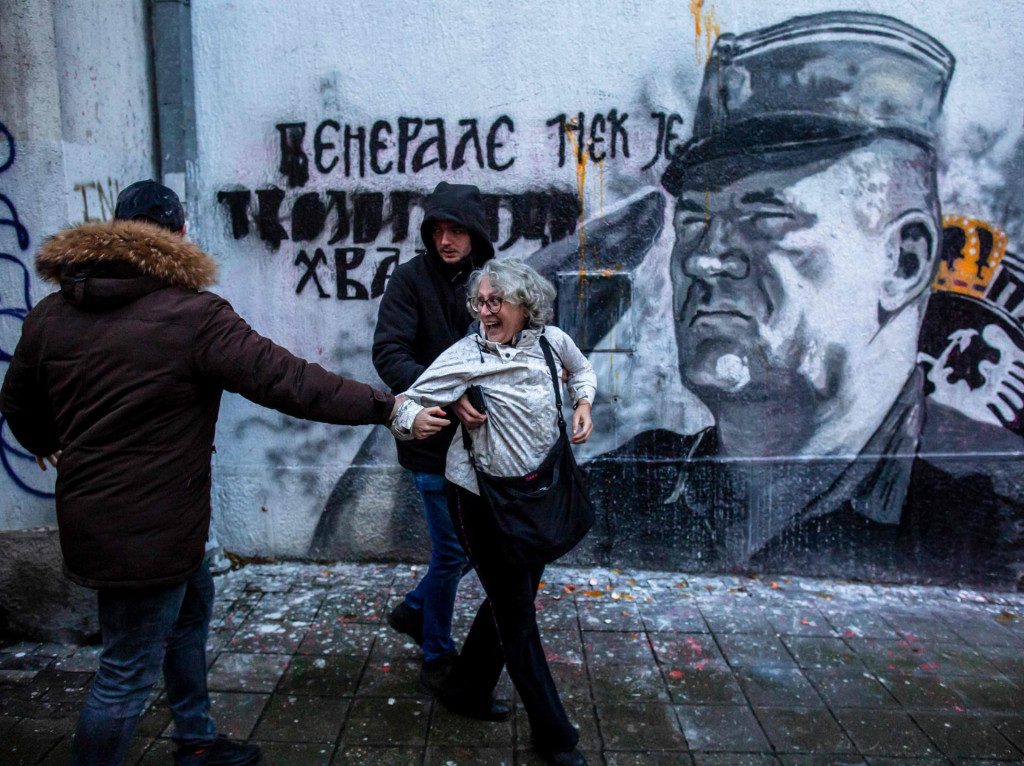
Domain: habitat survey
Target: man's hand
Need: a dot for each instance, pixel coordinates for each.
(428, 422)
(465, 412)
(582, 424)
(51, 459)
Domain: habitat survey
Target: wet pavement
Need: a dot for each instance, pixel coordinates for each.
(653, 667)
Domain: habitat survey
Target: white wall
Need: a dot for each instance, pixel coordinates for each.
(262, 64)
(75, 100)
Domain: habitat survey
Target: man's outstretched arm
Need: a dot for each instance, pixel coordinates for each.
(237, 358)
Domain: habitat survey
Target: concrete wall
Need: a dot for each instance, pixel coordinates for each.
(319, 132)
(76, 124)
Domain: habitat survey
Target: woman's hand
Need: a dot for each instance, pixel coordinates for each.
(582, 424)
(428, 422)
(467, 413)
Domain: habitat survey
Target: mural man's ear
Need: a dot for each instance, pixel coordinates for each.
(912, 248)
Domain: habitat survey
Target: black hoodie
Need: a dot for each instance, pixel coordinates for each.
(423, 310)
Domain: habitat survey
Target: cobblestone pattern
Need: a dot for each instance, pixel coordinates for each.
(655, 668)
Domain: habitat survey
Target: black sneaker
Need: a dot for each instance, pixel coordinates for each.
(223, 752)
(407, 620)
(434, 673)
(486, 710)
(566, 758)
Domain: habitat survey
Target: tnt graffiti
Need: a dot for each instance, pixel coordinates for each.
(103, 198)
(15, 303)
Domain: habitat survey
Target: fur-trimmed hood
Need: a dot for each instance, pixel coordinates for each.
(148, 248)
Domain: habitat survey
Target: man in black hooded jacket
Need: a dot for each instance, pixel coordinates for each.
(422, 313)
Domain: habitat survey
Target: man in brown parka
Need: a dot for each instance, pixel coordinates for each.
(122, 371)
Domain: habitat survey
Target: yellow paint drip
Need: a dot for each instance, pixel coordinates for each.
(580, 159)
(706, 26)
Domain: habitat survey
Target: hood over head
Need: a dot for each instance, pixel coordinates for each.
(462, 204)
(100, 266)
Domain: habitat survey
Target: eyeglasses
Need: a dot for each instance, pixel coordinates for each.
(493, 304)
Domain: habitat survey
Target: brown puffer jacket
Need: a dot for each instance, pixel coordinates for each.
(123, 370)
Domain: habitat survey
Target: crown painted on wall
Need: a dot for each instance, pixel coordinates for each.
(972, 250)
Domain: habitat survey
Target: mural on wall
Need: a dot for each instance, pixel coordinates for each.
(15, 302)
(807, 244)
(807, 363)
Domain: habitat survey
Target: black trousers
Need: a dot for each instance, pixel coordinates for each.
(505, 632)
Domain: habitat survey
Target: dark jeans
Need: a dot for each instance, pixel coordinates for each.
(505, 632)
(143, 630)
(435, 593)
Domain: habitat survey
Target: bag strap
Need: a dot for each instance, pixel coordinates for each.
(546, 348)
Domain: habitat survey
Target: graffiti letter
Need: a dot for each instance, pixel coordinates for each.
(320, 146)
(85, 200)
(268, 220)
(342, 265)
(670, 135)
(367, 215)
(108, 197)
(459, 159)
(294, 162)
(384, 269)
(560, 122)
(376, 145)
(238, 202)
(594, 139)
(660, 117)
(15, 223)
(563, 214)
(618, 128)
(400, 202)
(360, 138)
(308, 217)
(437, 141)
(404, 137)
(493, 144)
(11, 150)
(336, 202)
(529, 218)
(492, 207)
(303, 260)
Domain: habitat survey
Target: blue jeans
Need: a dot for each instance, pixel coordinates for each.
(143, 630)
(435, 593)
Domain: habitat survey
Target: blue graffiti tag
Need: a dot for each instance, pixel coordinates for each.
(11, 457)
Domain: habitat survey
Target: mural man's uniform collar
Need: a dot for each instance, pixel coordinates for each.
(874, 483)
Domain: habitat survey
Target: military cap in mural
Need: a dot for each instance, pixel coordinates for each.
(811, 87)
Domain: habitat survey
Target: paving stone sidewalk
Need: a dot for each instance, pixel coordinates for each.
(654, 668)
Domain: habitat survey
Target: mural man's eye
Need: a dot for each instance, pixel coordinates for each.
(690, 225)
(769, 215)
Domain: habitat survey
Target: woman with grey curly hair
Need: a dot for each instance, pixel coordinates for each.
(518, 284)
(502, 359)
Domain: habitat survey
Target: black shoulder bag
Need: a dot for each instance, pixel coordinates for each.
(543, 515)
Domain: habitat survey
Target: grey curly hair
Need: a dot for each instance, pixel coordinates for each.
(517, 283)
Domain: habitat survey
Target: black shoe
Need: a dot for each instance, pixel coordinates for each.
(489, 710)
(223, 752)
(434, 673)
(407, 620)
(565, 758)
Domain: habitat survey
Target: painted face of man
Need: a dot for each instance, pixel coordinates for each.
(452, 241)
(777, 278)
